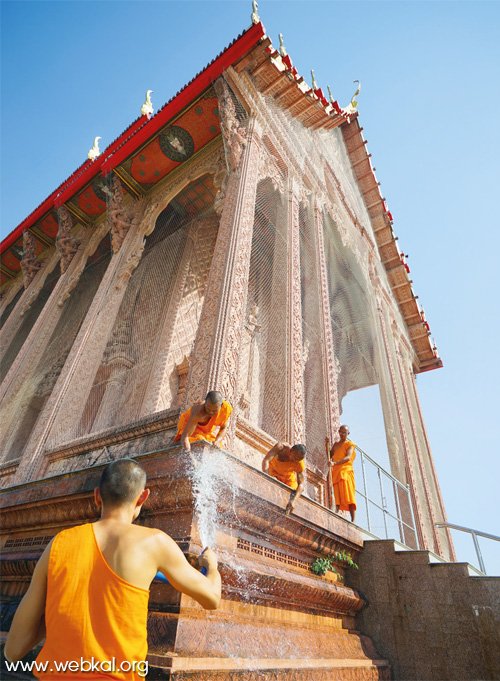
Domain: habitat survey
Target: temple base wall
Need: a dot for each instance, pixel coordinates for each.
(277, 619)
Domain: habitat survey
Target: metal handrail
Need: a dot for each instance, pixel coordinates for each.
(475, 534)
(381, 472)
(389, 475)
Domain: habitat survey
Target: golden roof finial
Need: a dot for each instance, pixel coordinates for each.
(282, 47)
(330, 93)
(255, 17)
(354, 103)
(315, 85)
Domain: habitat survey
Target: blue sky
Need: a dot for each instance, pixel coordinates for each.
(429, 108)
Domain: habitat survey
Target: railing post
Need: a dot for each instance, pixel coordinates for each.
(383, 502)
(478, 551)
(366, 491)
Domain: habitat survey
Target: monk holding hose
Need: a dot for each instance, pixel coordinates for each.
(206, 420)
(342, 455)
(90, 589)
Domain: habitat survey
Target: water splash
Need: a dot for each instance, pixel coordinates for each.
(210, 483)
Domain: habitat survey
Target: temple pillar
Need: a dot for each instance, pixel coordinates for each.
(330, 363)
(430, 485)
(66, 244)
(411, 476)
(295, 431)
(427, 447)
(23, 305)
(73, 384)
(215, 359)
(420, 462)
(30, 264)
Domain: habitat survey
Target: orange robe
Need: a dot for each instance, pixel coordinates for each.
(91, 612)
(286, 471)
(209, 430)
(343, 478)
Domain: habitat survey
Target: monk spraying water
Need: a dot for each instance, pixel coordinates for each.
(342, 455)
(287, 464)
(206, 420)
(90, 589)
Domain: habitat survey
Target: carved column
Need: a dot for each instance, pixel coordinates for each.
(72, 387)
(47, 320)
(66, 243)
(29, 263)
(295, 380)
(15, 319)
(410, 471)
(413, 388)
(329, 360)
(215, 356)
(119, 220)
(9, 293)
(429, 495)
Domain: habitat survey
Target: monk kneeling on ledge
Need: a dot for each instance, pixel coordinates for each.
(206, 421)
(287, 464)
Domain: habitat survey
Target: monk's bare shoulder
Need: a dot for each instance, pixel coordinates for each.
(196, 410)
(151, 540)
(162, 546)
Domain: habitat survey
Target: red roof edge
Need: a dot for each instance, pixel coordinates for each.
(138, 132)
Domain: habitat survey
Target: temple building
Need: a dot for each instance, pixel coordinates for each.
(236, 240)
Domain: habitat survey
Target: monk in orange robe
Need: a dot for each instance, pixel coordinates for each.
(90, 589)
(342, 455)
(287, 464)
(206, 420)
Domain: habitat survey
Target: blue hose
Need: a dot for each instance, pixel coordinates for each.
(160, 577)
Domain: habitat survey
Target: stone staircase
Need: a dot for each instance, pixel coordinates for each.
(433, 621)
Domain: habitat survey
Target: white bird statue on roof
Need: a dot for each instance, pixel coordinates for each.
(94, 152)
(255, 17)
(147, 107)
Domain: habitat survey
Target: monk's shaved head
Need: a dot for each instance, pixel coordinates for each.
(214, 397)
(300, 450)
(121, 482)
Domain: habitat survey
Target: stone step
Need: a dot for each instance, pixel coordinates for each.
(283, 669)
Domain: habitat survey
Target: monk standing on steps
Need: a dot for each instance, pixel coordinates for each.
(342, 455)
(287, 464)
(204, 421)
(90, 589)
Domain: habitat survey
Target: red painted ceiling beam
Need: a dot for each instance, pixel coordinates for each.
(185, 96)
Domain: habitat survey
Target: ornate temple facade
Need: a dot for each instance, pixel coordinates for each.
(237, 240)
